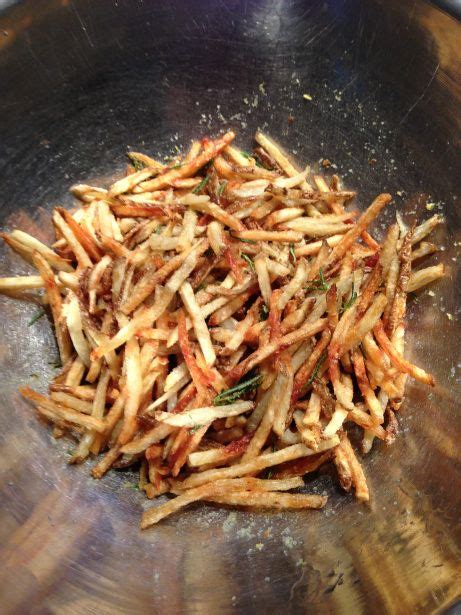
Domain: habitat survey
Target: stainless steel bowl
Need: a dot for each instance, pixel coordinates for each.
(81, 80)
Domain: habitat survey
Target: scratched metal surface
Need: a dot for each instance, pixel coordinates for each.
(81, 80)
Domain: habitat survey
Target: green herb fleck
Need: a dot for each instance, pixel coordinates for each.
(222, 187)
(201, 286)
(269, 473)
(314, 374)
(201, 185)
(319, 284)
(236, 392)
(292, 253)
(159, 229)
(177, 166)
(137, 164)
(352, 299)
(249, 156)
(250, 262)
(300, 562)
(36, 317)
(263, 312)
(242, 239)
(195, 428)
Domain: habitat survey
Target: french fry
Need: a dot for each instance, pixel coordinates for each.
(282, 400)
(73, 318)
(20, 239)
(263, 277)
(132, 392)
(203, 204)
(80, 254)
(425, 228)
(56, 411)
(400, 363)
(314, 247)
(20, 283)
(198, 322)
(263, 353)
(54, 299)
(190, 167)
(317, 227)
(269, 500)
(425, 276)
(365, 219)
(256, 465)
(281, 236)
(295, 284)
(199, 416)
(81, 235)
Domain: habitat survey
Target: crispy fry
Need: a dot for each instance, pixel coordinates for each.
(365, 219)
(400, 363)
(54, 299)
(26, 245)
(56, 411)
(198, 321)
(192, 166)
(199, 416)
(22, 282)
(269, 500)
(281, 236)
(79, 251)
(425, 276)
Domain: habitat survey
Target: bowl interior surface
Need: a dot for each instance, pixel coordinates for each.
(81, 82)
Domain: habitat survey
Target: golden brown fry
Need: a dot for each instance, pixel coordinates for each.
(425, 276)
(80, 253)
(281, 236)
(132, 391)
(54, 299)
(21, 241)
(256, 465)
(20, 283)
(56, 411)
(362, 223)
(192, 166)
(269, 500)
(400, 363)
(306, 331)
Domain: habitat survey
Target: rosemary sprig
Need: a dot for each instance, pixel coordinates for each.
(36, 317)
(319, 284)
(222, 187)
(263, 312)
(314, 374)
(292, 253)
(230, 395)
(201, 185)
(250, 262)
(242, 240)
(352, 299)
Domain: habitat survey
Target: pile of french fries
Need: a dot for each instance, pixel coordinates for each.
(224, 323)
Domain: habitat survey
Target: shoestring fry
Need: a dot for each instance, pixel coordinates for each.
(224, 321)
